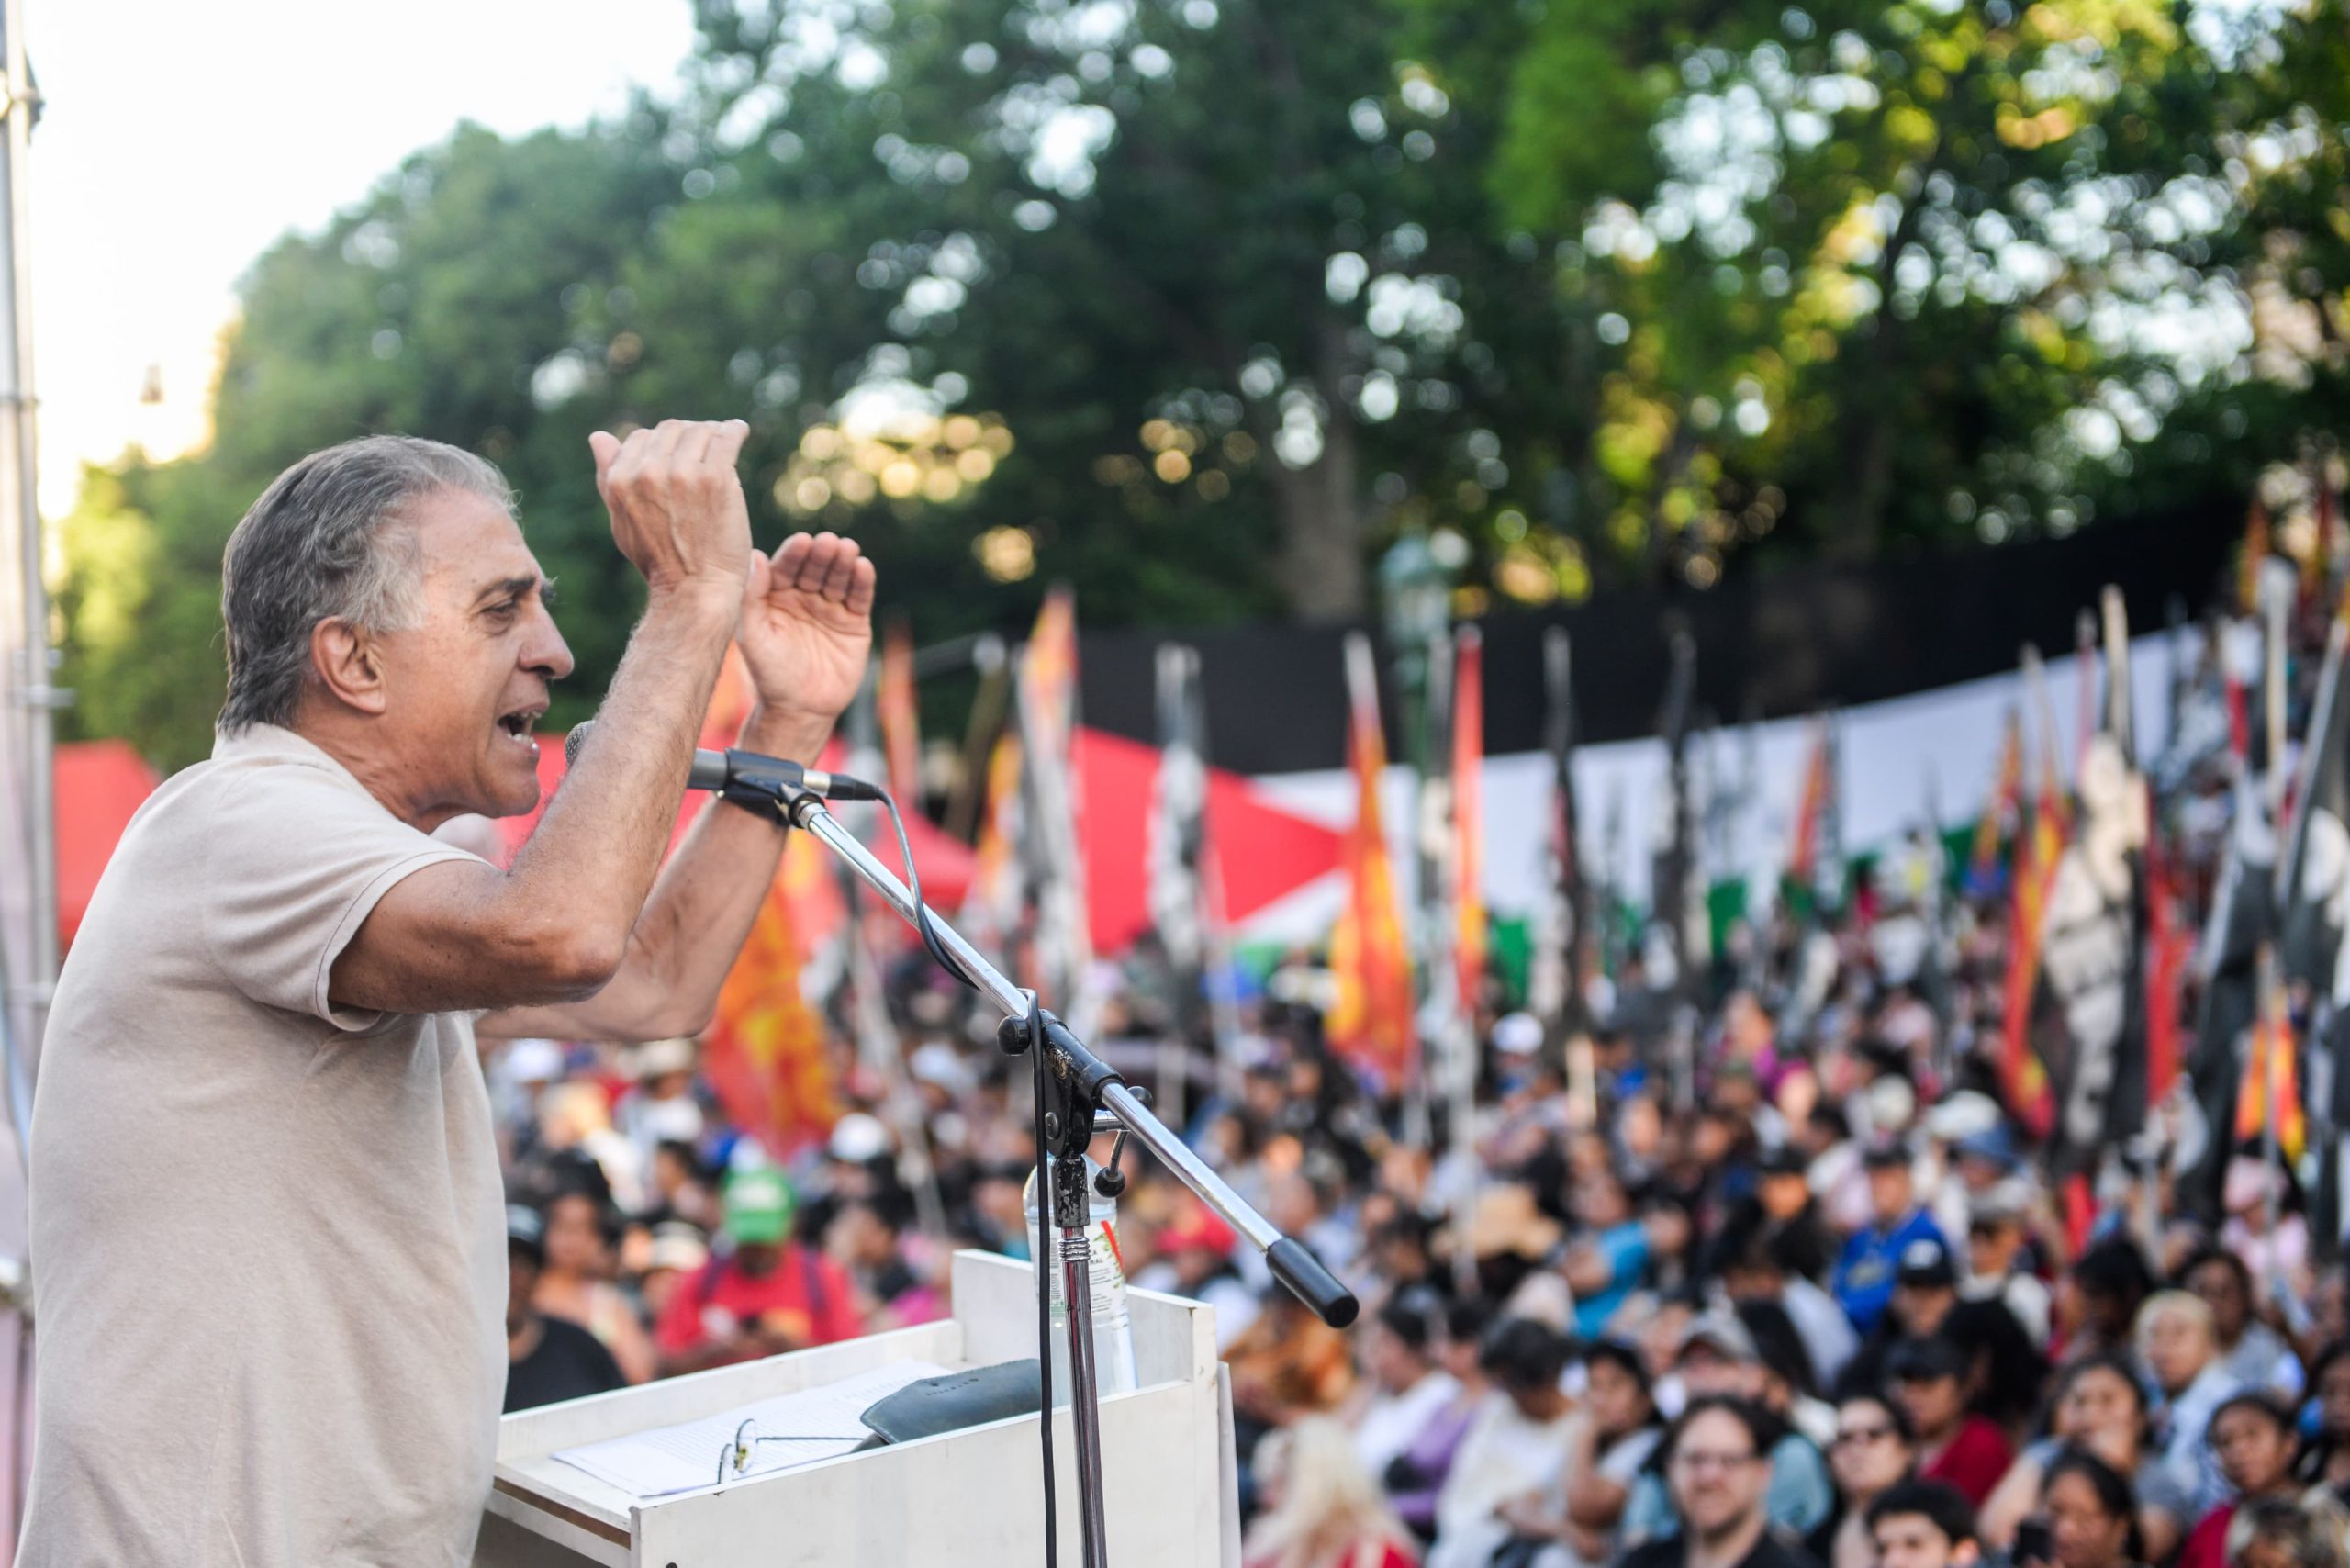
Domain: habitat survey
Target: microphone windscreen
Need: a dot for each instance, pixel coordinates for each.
(572, 744)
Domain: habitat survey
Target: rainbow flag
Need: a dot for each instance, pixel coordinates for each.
(1990, 828)
(1369, 1023)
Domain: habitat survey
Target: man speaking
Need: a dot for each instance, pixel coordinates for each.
(268, 1233)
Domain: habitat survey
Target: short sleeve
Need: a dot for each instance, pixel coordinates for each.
(297, 859)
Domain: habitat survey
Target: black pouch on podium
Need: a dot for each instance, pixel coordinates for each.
(954, 1401)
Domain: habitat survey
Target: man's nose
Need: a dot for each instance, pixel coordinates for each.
(546, 654)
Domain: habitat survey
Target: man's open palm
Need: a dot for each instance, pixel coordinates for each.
(807, 624)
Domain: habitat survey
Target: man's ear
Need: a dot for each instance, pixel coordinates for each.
(349, 666)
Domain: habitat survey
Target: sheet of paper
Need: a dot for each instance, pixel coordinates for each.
(816, 1423)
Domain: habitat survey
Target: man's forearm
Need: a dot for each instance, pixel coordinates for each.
(703, 907)
(595, 854)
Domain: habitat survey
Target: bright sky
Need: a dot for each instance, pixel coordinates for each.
(179, 140)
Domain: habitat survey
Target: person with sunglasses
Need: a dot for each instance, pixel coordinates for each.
(1874, 1450)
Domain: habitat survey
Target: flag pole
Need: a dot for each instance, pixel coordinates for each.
(2271, 1152)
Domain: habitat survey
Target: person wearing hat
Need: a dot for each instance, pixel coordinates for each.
(1717, 1358)
(1194, 1259)
(766, 1296)
(547, 1359)
(1997, 1223)
(675, 1254)
(1929, 1376)
(1864, 1282)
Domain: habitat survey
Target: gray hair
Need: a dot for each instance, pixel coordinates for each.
(323, 543)
(2310, 1529)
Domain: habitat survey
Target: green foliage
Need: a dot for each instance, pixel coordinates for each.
(1196, 303)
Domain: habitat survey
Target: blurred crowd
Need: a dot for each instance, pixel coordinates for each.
(1716, 1280)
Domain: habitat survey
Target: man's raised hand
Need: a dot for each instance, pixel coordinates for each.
(677, 502)
(807, 627)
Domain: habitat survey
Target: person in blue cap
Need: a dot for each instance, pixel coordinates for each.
(1864, 1281)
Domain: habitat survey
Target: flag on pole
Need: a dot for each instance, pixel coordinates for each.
(2313, 874)
(1555, 967)
(896, 711)
(2170, 948)
(992, 907)
(1470, 935)
(1999, 812)
(1371, 1019)
(2274, 1059)
(1811, 812)
(2022, 1076)
(2254, 556)
(1047, 709)
(764, 1052)
(2089, 1022)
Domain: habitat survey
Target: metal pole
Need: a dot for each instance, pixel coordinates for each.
(1070, 1208)
(808, 811)
(30, 677)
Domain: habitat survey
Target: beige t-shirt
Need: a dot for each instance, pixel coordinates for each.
(267, 1232)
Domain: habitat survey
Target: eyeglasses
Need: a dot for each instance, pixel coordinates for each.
(1862, 1435)
(1700, 1459)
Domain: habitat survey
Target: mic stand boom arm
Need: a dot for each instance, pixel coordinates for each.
(1073, 1087)
(1077, 1070)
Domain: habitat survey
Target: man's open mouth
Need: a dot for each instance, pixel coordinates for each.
(519, 723)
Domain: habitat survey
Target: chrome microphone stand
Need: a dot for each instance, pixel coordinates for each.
(1083, 1095)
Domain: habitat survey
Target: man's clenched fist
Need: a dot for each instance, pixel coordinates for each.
(676, 503)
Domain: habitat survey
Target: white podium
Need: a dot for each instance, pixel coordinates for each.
(967, 1499)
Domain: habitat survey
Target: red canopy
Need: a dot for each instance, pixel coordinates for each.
(1260, 851)
(100, 786)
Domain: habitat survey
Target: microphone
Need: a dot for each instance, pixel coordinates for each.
(748, 772)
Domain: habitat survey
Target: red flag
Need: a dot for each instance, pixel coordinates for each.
(2022, 1076)
(1470, 936)
(1370, 1022)
(894, 709)
(764, 1052)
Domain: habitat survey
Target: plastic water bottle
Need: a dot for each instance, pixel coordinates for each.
(1114, 1329)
